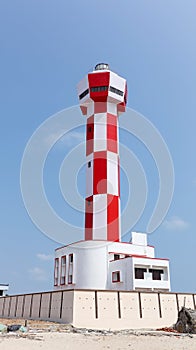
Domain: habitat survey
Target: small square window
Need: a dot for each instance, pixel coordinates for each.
(89, 164)
(139, 273)
(89, 129)
(156, 274)
(116, 276)
(116, 256)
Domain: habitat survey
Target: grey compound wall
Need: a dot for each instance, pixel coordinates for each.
(99, 309)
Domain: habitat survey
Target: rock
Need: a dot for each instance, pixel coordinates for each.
(186, 322)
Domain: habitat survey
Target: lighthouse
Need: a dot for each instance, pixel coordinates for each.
(102, 97)
(101, 261)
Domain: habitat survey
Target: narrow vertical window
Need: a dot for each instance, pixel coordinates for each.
(63, 270)
(70, 271)
(56, 271)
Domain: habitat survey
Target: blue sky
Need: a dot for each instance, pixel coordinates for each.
(46, 48)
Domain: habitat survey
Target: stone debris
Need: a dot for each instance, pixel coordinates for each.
(167, 329)
(34, 329)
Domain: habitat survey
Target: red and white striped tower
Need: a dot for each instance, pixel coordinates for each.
(102, 95)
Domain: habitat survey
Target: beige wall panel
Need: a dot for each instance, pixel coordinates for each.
(27, 305)
(107, 305)
(13, 306)
(6, 306)
(149, 305)
(107, 310)
(185, 300)
(84, 307)
(169, 310)
(35, 306)
(45, 302)
(67, 307)
(129, 306)
(55, 306)
(150, 311)
(1, 305)
(19, 310)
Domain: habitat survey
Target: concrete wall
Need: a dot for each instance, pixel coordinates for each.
(99, 309)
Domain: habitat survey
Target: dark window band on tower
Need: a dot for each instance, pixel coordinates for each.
(83, 94)
(99, 88)
(116, 91)
(105, 88)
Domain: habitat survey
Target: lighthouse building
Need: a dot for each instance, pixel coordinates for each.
(101, 260)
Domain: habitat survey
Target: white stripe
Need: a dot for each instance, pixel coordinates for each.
(90, 109)
(100, 132)
(112, 173)
(89, 176)
(112, 108)
(100, 216)
(117, 82)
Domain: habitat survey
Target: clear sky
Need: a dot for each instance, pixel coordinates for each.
(46, 47)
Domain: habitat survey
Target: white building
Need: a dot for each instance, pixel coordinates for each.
(3, 289)
(102, 261)
(111, 265)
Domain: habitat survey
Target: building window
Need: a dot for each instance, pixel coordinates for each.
(116, 91)
(116, 276)
(70, 279)
(89, 129)
(116, 256)
(139, 273)
(156, 274)
(99, 88)
(56, 271)
(83, 94)
(89, 164)
(63, 269)
(70, 271)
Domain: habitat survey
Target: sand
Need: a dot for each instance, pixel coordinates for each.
(51, 336)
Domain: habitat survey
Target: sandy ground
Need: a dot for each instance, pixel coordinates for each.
(51, 336)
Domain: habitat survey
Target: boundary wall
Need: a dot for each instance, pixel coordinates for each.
(98, 309)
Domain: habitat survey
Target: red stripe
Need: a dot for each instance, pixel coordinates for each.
(89, 218)
(111, 132)
(89, 135)
(113, 218)
(84, 110)
(99, 79)
(100, 172)
(100, 107)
